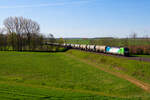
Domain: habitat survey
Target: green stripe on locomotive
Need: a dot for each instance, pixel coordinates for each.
(121, 51)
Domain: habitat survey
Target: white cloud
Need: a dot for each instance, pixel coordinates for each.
(45, 5)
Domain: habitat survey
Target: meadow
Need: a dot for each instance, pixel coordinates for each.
(35, 75)
(78, 41)
(110, 41)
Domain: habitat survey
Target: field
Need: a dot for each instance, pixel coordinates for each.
(110, 41)
(70, 75)
(146, 56)
(134, 68)
(78, 41)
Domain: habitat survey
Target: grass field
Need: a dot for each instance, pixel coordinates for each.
(107, 41)
(78, 41)
(34, 75)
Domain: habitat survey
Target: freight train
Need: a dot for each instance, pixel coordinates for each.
(123, 51)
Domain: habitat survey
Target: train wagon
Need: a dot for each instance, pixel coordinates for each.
(83, 47)
(100, 48)
(72, 45)
(92, 47)
(77, 46)
(88, 47)
(68, 45)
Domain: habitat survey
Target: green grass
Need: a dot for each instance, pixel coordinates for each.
(139, 42)
(78, 41)
(57, 75)
(21, 92)
(138, 69)
(146, 56)
(110, 42)
(18, 92)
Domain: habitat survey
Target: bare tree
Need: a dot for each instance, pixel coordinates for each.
(14, 28)
(22, 32)
(30, 27)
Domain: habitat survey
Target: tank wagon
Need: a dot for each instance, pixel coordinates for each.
(101, 49)
(77, 46)
(72, 45)
(83, 47)
(92, 47)
(98, 48)
(88, 47)
(67, 45)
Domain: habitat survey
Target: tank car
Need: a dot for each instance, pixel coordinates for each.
(83, 47)
(100, 48)
(88, 47)
(77, 46)
(92, 47)
(72, 45)
(68, 45)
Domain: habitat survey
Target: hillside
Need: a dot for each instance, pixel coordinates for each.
(70, 75)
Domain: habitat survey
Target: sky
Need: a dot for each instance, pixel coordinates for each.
(83, 18)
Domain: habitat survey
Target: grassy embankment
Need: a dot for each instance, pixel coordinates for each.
(30, 75)
(138, 69)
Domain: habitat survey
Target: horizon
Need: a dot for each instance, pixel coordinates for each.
(83, 18)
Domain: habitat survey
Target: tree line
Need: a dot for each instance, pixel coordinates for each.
(21, 34)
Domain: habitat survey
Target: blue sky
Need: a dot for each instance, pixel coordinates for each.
(83, 18)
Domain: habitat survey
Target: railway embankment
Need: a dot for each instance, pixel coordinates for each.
(136, 72)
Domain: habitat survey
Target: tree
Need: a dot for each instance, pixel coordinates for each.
(3, 39)
(30, 28)
(61, 41)
(14, 27)
(22, 32)
(51, 38)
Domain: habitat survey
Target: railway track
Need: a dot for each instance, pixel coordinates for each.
(129, 57)
(119, 56)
